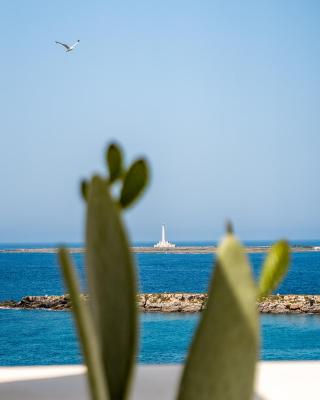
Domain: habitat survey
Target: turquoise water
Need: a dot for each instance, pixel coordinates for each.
(48, 337)
(25, 274)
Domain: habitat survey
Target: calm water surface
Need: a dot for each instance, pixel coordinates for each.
(47, 337)
(25, 274)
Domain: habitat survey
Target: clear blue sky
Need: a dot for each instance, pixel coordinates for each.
(221, 96)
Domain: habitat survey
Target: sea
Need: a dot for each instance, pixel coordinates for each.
(44, 337)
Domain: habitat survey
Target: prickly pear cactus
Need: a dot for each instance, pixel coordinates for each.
(109, 330)
(222, 358)
(274, 268)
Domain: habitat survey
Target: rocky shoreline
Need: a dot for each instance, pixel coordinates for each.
(177, 302)
(157, 250)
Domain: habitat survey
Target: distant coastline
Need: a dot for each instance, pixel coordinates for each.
(175, 250)
(176, 302)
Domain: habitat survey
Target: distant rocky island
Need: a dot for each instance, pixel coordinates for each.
(177, 302)
(165, 250)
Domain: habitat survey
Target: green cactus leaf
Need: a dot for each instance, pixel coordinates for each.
(221, 362)
(134, 183)
(114, 162)
(274, 268)
(87, 336)
(112, 288)
(84, 189)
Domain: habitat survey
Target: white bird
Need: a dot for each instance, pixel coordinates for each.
(69, 48)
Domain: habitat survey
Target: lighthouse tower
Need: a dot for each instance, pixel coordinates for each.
(163, 243)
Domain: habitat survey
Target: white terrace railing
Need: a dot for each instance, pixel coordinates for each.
(280, 380)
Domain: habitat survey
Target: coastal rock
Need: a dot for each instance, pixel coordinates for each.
(141, 301)
(172, 250)
(178, 302)
(40, 302)
(307, 304)
(174, 302)
(295, 306)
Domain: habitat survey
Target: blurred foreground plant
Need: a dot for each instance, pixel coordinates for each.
(108, 331)
(222, 358)
(225, 348)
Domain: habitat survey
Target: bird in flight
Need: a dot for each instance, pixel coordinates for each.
(69, 48)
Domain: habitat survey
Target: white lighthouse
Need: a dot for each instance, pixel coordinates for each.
(163, 243)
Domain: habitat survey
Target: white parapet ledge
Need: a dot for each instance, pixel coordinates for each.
(280, 380)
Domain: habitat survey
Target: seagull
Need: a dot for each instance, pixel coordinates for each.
(69, 48)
